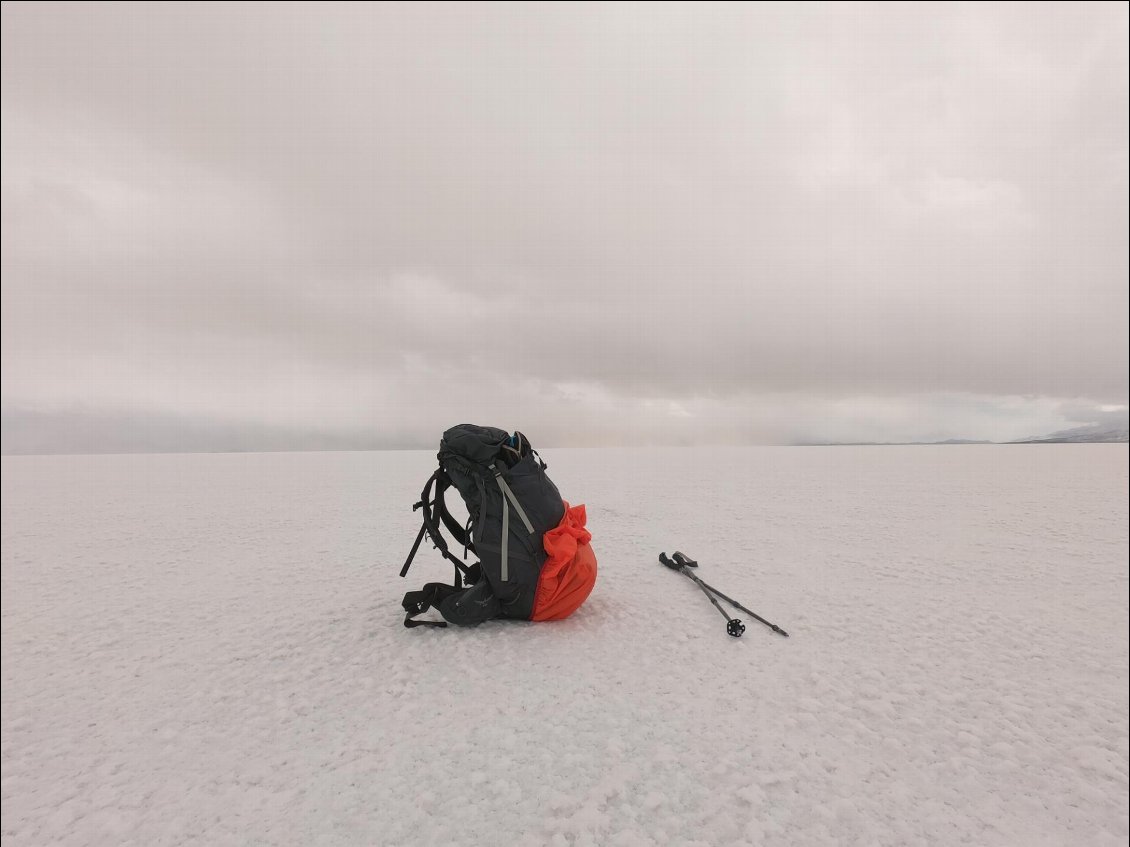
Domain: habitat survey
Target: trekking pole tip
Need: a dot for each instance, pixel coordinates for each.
(735, 627)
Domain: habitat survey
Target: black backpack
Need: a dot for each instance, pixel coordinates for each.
(511, 503)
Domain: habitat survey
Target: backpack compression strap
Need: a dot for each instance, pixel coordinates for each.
(461, 606)
(418, 602)
(508, 498)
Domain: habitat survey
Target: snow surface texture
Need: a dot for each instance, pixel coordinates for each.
(208, 649)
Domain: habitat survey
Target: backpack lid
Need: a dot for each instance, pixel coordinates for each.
(477, 444)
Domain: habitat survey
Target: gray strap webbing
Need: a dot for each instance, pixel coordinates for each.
(514, 500)
(505, 540)
(508, 498)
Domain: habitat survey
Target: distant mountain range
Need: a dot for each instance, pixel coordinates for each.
(891, 443)
(1103, 433)
(29, 433)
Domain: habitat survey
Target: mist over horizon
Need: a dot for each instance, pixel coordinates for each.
(261, 227)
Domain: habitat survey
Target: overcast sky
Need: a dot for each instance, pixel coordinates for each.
(349, 225)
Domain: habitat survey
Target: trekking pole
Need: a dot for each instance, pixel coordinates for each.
(686, 561)
(734, 626)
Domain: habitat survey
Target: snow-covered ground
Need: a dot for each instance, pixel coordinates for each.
(208, 649)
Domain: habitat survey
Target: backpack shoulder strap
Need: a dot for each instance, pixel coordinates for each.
(435, 513)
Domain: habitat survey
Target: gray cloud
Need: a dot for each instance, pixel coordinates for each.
(742, 223)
